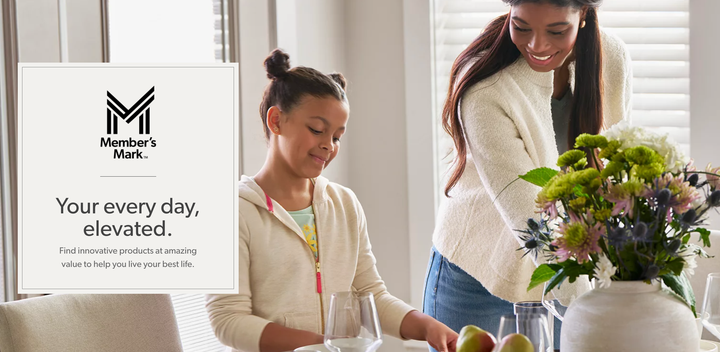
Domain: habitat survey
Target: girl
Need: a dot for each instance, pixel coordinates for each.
(302, 237)
(520, 94)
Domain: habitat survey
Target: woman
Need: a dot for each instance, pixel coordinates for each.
(520, 94)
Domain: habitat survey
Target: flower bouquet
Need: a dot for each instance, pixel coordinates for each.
(623, 208)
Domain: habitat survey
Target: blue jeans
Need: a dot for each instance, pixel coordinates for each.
(456, 299)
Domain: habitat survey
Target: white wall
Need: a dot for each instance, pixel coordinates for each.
(254, 47)
(704, 78)
(378, 152)
(420, 132)
(312, 32)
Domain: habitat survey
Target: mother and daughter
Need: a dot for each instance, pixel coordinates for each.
(520, 94)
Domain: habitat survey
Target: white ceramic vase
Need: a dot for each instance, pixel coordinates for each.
(629, 316)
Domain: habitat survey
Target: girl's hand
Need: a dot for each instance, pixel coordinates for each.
(441, 337)
(419, 326)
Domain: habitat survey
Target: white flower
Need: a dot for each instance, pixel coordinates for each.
(689, 256)
(631, 136)
(604, 270)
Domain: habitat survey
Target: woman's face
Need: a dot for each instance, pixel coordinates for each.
(545, 34)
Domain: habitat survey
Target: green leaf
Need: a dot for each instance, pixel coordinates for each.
(556, 280)
(539, 176)
(704, 236)
(543, 273)
(686, 239)
(675, 266)
(681, 286)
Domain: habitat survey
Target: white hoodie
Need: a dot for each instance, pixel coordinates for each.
(278, 278)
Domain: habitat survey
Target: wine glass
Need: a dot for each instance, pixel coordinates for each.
(353, 324)
(533, 326)
(710, 315)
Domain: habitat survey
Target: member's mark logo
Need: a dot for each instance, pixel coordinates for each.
(129, 148)
(139, 110)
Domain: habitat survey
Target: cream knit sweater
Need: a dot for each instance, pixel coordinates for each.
(277, 268)
(509, 131)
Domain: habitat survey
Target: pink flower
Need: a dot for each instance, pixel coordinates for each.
(621, 198)
(683, 195)
(579, 240)
(547, 207)
(684, 199)
(713, 180)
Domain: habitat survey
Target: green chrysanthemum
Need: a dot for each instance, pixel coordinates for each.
(570, 157)
(642, 155)
(580, 164)
(612, 168)
(593, 186)
(619, 157)
(601, 215)
(578, 204)
(610, 150)
(584, 177)
(648, 172)
(559, 186)
(590, 141)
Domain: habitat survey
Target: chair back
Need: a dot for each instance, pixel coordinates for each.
(89, 323)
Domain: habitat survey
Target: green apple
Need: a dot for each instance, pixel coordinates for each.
(474, 339)
(515, 343)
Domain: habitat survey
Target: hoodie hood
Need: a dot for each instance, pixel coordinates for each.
(251, 191)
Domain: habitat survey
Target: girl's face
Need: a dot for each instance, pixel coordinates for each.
(309, 135)
(545, 34)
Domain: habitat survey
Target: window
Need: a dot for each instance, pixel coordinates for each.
(164, 31)
(657, 36)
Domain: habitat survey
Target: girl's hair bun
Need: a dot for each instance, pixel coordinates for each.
(277, 64)
(339, 78)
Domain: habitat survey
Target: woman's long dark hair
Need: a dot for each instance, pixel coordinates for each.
(499, 52)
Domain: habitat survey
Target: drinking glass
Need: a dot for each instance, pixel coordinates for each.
(353, 324)
(537, 307)
(533, 326)
(711, 305)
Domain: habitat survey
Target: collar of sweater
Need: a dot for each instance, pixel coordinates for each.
(249, 190)
(523, 69)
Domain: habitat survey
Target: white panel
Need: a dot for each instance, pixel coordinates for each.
(658, 52)
(638, 19)
(659, 118)
(84, 30)
(662, 85)
(37, 31)
(661, 101)
(659, 69)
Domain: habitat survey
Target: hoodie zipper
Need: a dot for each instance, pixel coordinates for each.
(318, 275)
(317, 263)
